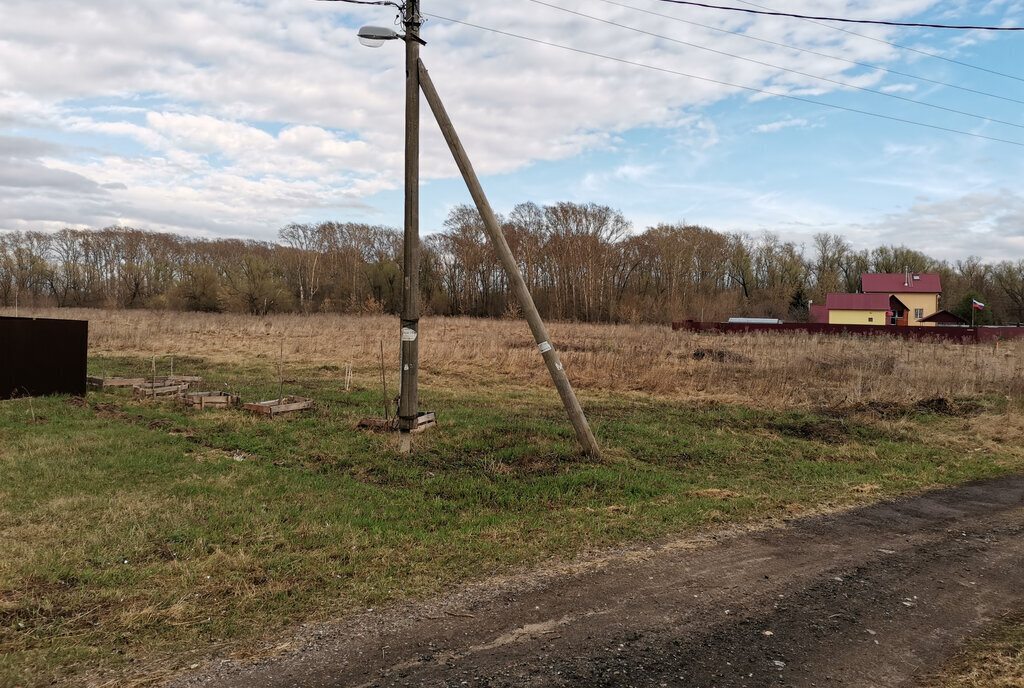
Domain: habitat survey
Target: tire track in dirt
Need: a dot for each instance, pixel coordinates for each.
(868, 597)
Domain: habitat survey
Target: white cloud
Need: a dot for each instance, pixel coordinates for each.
(989, 225)
(779, 125)
(899, 88)
(144, 135)
(238, 116)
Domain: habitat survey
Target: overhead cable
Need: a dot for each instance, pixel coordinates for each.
(366, 2)
(868, 65)
(843, 84)
(908, 48)
(753, 89)
(845, 21)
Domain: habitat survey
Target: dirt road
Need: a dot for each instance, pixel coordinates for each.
(870, 597)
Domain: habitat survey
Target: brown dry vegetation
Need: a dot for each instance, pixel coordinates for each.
(762, 371)
(995, 660)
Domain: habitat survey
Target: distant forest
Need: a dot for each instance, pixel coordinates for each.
(581, 262)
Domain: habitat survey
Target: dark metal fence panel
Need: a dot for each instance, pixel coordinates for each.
(965, 335)
(42, 356)
(994, 334)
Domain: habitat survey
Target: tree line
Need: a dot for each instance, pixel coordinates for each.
(581, 262)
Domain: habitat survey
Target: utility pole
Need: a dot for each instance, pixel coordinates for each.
(508, 261)
(416, 79)
(408, 401)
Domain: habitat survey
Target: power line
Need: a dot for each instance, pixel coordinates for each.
(846, 21)
(726, 83)
(365, 2)
(784, 69)
(867, 65)
(926, 53)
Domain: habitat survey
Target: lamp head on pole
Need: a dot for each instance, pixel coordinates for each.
(374, 36)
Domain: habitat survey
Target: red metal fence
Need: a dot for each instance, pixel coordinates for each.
(963, 335)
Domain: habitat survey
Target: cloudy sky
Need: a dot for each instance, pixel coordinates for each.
(236, 117)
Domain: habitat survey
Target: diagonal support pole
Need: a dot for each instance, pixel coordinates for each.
(497, 238)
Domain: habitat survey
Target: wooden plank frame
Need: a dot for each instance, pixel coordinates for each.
(205, 400)
(423, 422)
(96, 382)
(102, 382)
(276, 407)
(150, 390)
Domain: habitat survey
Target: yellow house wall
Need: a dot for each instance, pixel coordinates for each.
(929, 303)
(836, 317)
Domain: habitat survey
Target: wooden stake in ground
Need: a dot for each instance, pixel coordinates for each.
(280, 374)
(383, 381)
(508, 261)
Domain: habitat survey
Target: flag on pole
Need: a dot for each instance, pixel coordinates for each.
(978, 304)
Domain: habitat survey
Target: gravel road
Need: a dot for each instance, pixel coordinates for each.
(870, 597)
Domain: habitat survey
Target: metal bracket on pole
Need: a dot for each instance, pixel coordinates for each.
(497, 238)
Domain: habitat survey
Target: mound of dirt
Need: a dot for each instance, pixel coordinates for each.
(826, 429)
(717, 355)
(940, 406)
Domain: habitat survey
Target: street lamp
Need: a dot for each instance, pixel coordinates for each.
(374, 37)
(416, 77)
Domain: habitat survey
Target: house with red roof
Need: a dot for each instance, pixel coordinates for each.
(918, 292)
(862, 309)
(885, 299)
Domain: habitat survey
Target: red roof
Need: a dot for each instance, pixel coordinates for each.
(819, 314)
(919, 283)
(857, 302)
(943, 317)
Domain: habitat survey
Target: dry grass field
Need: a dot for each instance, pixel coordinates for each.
(761, 371)
(138, 538)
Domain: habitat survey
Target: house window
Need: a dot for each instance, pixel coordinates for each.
(918, 313)
(871, 320)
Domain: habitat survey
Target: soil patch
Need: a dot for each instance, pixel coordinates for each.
(717, 356)
(939, 406)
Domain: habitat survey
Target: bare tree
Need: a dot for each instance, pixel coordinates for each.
(1010, 278)
(309, 244)
(831, 252)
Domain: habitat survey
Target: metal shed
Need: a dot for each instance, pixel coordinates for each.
(40, 356)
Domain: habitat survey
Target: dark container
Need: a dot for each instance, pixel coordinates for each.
(40, 356)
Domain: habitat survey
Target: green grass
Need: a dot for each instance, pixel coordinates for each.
(139, 537)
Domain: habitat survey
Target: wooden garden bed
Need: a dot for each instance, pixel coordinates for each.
(165, 380)
(277, 406)
(154, 390)
(204, 400)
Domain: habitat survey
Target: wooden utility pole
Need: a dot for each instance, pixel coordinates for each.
(497, 238)
(408, 401)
